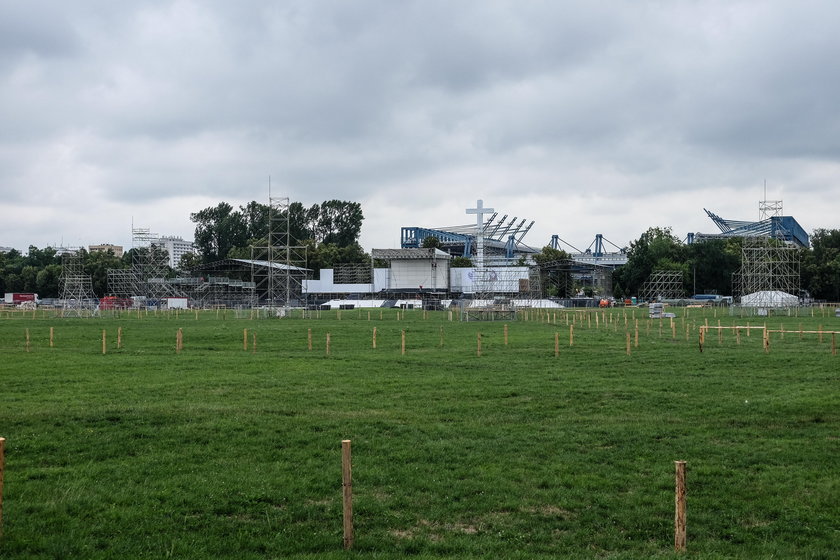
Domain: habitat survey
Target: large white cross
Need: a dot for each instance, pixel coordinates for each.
(479, 210)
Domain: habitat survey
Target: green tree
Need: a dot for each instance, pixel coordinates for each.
(656, 249)
(460, 262)
(47, 281)
(820, 266)
(339, 222)
(710, 265)
(431, 242)
(96, 264)
(218, 229)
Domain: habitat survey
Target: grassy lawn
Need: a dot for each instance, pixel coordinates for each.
(221, 452)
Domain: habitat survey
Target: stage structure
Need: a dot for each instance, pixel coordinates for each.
(485, 305)
(769, 274)
(662, 285)
(275, 267)
(77, 297)
(147, 277)
(565, 278)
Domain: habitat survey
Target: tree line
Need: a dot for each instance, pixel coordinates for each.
(330, 232)
(708, 266)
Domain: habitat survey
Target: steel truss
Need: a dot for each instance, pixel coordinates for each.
(276, 267)
(78, 299)
(767, 267)
(663, 284)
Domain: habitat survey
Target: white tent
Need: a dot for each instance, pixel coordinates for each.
(774, 298)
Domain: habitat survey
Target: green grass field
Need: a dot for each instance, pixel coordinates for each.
(219, 452)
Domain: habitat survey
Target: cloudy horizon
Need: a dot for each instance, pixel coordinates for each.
(586, 117)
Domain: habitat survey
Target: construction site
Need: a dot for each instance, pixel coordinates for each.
(503, 275)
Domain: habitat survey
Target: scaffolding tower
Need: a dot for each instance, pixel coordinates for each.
(767, 268)
(276, 269)
(78, 299)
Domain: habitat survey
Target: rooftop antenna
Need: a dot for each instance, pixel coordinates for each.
(768, 208)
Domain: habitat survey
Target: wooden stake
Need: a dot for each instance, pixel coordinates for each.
(179, 341)
(347, 492)
(636, 337)
(402, 342)
(328, 344)
(821, 333)
(441, 336)
(374, 338)
(628, 343)
(673, 331)
(738, 336)
(506, 335)
(478, 345)
(766, 341)
(119, 338)
(253, 343)
(52, 333)
(556, 344)
(833, 344)
(309, 338)
(571, 335)
(2, 468)
(720, 334)
(245, 340)
(27, 341)
(104, 349)
(679, 507)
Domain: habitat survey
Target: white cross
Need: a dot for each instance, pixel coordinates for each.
(479, 210)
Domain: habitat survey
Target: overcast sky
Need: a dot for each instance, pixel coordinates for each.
(585, 116)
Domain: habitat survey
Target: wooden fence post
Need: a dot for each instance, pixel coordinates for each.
(347, 492)
(27, 341)
(441, 336)
(52, 333)
(402, 342)
(328, 344)
(679, 508)
(556, 344)
(104, 349)
(309, 338)
(478, 345)
(571, 335)
(2, 468)
(766, 341)
(119, 338)
(833, 344)
(245, 339)
(253, 343)
(506, 335)
(374, 338)
(628, 343)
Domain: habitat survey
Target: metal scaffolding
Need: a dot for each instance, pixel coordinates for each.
(78, 299)
(276, 267)
(147, 276)
(663, 284)
(768, 268)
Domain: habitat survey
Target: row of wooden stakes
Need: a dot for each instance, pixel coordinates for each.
(347, 496)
